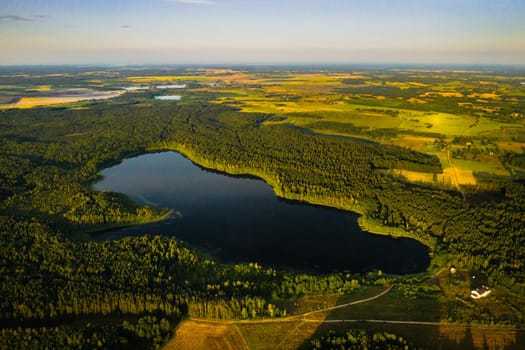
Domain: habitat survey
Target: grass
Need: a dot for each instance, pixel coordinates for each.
(391, 307)
(40, 88)
(491, 166)
(169, 78)
(277, 335)
(293, 333)
(31, 102)
(192, 334)
(459, 176)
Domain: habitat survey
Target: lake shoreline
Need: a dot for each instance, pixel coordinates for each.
(367, 223)
(232, 224)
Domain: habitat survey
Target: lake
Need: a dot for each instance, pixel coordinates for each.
(239, 219)
(168, 97)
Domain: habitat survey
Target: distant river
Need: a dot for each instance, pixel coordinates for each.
(239, 219)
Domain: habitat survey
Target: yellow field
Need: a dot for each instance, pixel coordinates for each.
(406, 85)
(415, 176)
(417, 143)
(443, 94)
(460, 176)
(30, 102)
(517, 147)
(485, 96)
(416, 100)
(195, 335)
(169, 78)
(40, 88)
(278, 335)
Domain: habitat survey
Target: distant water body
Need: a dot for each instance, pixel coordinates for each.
(239, 219)
(168, 97)
(171, 86)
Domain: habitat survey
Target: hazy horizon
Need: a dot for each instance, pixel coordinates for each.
(259, 32)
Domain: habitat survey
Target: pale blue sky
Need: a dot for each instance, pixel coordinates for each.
(262, 31)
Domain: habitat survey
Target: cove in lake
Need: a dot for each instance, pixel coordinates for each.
(239, 219)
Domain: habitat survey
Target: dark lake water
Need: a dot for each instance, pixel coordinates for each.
(239, 219)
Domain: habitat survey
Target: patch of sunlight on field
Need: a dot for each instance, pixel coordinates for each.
(416, 100)
(460, 176)
(490, 96)
(451, 86)
(484, 82)
(492, 166)
(195, 335)
(517, 147)
(285, 334)
(170, 78)
(214, 71)
(338, 113)
(40, 88)
(415, 176)
(417, 143)
(442, 94)
(319, 78)
(442, 123)
(30, 102)
(264, 106)
(277, 335)
(444, 180)
(415, 83)
(403, 85)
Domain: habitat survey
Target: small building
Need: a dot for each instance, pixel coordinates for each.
(480, 292)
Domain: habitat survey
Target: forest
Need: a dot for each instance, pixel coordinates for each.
(61, 289)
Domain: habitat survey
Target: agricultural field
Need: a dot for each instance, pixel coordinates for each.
(424, 111)
(468, 119)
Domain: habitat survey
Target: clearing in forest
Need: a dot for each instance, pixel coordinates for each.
(193, 334)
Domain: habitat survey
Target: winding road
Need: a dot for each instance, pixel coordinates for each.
(302, 317)
(298, 316)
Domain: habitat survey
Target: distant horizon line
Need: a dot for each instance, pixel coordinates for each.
(271, 64)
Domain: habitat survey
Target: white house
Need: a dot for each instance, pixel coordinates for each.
(480, 292)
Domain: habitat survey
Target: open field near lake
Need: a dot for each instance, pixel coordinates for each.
(60, 98)
(203, 335)
(416, 318)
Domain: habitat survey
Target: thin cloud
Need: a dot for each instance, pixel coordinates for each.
(16, 18)
(41, 16)
(125, 27)
(194, 2)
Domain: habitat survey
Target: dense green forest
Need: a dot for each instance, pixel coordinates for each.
(52, 274)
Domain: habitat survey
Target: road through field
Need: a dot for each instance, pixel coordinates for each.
(289, 332)
(294, 317)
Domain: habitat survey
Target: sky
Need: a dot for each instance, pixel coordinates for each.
(262, 31)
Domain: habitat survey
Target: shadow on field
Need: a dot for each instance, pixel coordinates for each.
(432, 335)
